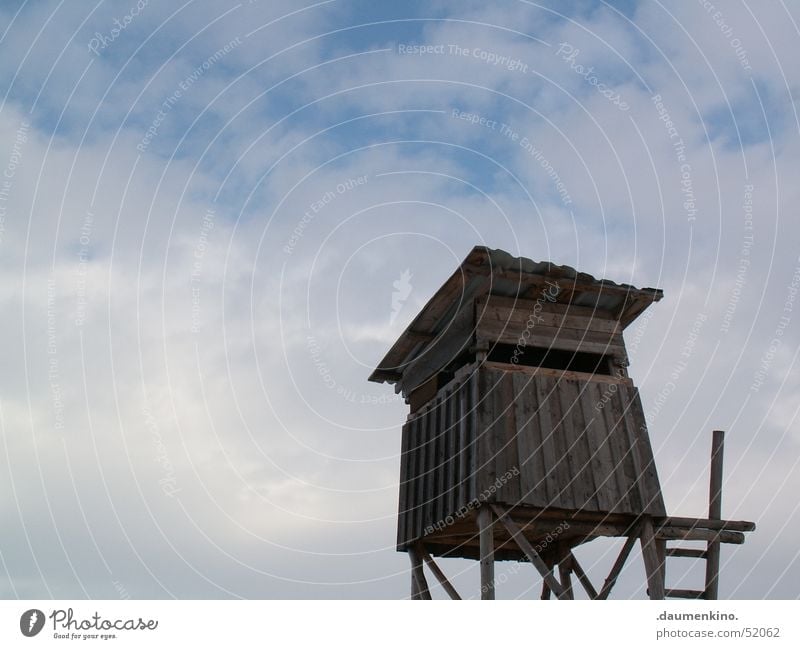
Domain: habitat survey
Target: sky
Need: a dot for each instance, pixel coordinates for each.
(206, 209)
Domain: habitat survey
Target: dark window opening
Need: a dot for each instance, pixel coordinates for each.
(556, 359)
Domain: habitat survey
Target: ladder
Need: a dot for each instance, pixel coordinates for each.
(712, 552)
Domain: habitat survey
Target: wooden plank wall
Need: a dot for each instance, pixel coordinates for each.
(438, 462)
(526, 438)
(548, 325)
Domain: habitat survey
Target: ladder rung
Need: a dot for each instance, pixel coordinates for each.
(695, 553)
(684, 594)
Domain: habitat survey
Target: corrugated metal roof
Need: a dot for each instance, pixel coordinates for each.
(496, 272)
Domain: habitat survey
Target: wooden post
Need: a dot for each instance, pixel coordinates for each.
(652, 561)
(419, 585)
(582, 577)
(605, 591)
(437, 572)
(714, 512)
(414, 588)
(564, 572)
(545, 570)
(486, 530)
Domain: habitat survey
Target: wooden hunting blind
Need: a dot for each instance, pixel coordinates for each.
(526, 437)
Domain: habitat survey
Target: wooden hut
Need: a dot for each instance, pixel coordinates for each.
(526, 437)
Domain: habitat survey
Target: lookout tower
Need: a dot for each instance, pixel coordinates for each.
(527, 438)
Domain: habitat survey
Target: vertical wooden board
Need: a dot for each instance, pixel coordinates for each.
(419, 510)
(533, 490)
(484, 432)
(657, 507)
(583, 453)
(402, 503)
(463, 450)
(430, 463)
(600, 455)
(447, 487)
(571, 469)
(615, 442)
(636, 452)
(472, 435)
(413, 469)
(622, 438)
(560, 469)
(544, 387)
(651, 487)
(453, 456)
(509, 492)
(438, 462)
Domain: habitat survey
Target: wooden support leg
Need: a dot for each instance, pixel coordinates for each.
(582, 577)
(545, 591)
(618, 565)
(445, 583)
(533, 556)
(653, 563)
(414, 588)
(486, 541)
(564, 572)
(419, 585)
(714, 512)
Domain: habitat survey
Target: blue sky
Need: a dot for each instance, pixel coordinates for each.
(181, 439)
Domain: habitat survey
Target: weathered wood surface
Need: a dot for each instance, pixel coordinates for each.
(486, 532)
(530, 552)
(419, 586)
(653, 560)
(697, 534)
(684, 593)
(583, 578)
(707, 524)
(533, 440)
(619, 564)
(437, 572)
(714, 512)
